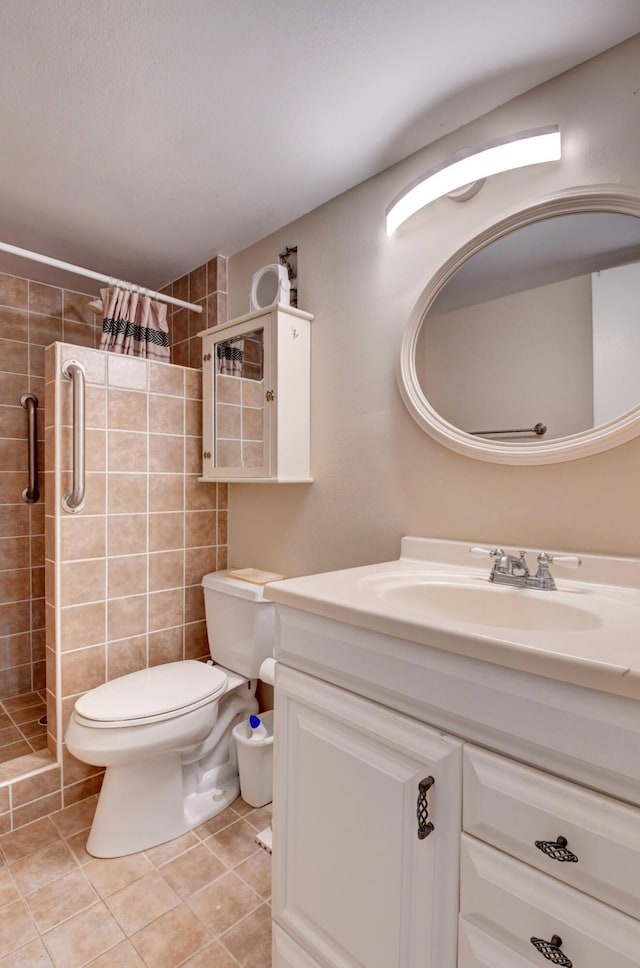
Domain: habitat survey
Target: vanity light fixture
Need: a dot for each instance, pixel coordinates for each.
(461, 179)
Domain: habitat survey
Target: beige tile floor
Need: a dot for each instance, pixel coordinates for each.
(201, 901)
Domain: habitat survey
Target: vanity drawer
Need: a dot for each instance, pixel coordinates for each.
(514, 903)
(477, 949)
(514, 808)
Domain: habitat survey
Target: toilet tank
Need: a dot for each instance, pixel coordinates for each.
(240, 623)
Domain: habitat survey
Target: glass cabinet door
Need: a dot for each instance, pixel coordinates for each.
(240, 370)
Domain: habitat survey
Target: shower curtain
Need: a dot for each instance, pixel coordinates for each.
(134, 324)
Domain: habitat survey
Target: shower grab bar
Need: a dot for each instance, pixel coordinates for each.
(73, 500)
(31, 493)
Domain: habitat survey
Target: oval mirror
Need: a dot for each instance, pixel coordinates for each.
(524, 348)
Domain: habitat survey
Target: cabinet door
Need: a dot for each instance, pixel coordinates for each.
(354, 883)
(237, 395)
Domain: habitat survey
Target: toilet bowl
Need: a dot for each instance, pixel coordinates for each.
(165, 734)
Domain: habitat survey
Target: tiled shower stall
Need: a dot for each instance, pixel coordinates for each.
(123, 574)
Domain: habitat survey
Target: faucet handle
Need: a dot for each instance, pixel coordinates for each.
(478, 552)
(568, 561)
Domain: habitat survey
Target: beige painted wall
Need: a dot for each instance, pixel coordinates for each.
(517, 361)
(378, 476)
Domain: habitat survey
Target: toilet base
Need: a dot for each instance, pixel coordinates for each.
(148, 815)
(147, 803)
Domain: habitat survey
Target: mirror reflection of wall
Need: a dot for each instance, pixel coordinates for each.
(239, 401)
(537, 328)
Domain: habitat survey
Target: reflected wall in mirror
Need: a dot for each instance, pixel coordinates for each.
(239, 399)
(534, 322)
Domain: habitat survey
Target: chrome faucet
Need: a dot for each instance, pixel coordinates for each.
(514, 571)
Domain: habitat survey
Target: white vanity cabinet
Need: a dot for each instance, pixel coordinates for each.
(367, 832)
(546, 771)
(256, 374)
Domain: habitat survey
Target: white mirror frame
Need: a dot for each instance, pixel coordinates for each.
(594, 441)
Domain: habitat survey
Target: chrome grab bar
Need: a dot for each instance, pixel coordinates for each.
(73, 500)
(539, 430)
(31, 493)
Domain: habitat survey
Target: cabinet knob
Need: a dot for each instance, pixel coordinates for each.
(425, 826)
(551, 951)
(557, 850)
(270, 395)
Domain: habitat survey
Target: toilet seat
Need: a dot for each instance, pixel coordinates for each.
(151, 695)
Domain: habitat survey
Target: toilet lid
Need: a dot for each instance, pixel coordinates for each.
(154, 692)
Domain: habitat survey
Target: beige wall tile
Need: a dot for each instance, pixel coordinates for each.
(164, 378)
(127, 410)
(82, 581)
(14, 291)
(126, 493)
(166, 492)
(126, 451)
(77, 793)
(196, 642)
(198, 494)
(35, 787)
(200, 528)
(166, 609)
(82, 625)
(83, 669)
(45, 299)
(126, 617)
(194, 604)
(193, 418)
(36, 809)
(165, 646)
(166, 531)
(166, 453)
(193, 384)
(126, 575)
(127, 655)
(198, 562)
(126, 372)
(166, 570)
(126, 534)
(166, 414)
(81, 537)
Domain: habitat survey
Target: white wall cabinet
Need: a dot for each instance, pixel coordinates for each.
(541, 865)
(360, 881)
(256, 398)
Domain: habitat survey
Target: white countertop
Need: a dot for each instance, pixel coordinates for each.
(586, 633)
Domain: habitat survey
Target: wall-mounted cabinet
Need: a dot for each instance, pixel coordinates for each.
(256, 398)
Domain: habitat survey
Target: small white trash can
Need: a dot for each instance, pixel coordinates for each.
(255, 761)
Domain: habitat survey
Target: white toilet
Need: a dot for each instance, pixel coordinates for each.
(164, 733)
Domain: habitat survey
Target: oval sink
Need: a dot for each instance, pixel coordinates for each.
(491, 605)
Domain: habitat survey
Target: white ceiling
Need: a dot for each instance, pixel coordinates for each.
(141, 137)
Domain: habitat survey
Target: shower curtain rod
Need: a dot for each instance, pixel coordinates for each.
(90, 274)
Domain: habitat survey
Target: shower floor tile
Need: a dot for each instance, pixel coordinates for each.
(21, 731)
(200, 901)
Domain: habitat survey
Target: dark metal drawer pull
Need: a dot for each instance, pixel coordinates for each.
(557, 850)
(424, 824)
(551, 951)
